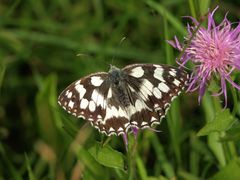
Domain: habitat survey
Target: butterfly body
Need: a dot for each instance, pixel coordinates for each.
(136, 96)
(117, 83)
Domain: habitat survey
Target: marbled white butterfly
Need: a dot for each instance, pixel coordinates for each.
(136, 96)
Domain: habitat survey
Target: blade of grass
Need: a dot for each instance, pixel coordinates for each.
(195, 157)
(192, 8)
(9, 166)
(86, 48)
(11, 41)
(3, 68)
(9, 11)
(168, 49)
(141, 168)
(38, 8)
(170, 17)
(174, 126)
(204, 6)
(29, 168)
(173, 119)
(46, 121)
(162, 160)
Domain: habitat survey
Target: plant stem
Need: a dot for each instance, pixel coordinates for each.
(131, 159)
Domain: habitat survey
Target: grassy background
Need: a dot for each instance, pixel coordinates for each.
(46, 45)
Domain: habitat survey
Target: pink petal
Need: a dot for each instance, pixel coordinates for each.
(233, 83)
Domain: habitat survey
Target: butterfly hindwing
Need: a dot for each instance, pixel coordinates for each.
(156, 86)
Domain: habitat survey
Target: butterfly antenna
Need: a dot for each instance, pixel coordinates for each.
(120, 42)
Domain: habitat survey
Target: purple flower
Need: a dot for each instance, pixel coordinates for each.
(214, 51)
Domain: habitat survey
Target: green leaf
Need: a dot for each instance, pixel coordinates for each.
(232, 134)
(107, 156)
(92, 167)
(29, 168)
(221, 122)
(230, 171)
(213, 87)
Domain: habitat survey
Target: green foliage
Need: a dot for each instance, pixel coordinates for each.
(29, 168)
(46, 45)
(231, 171)
(107, 156)
(221, 122)
(232, 134)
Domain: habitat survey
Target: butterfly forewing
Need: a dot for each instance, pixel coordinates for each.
(114, 102)
(85, 98)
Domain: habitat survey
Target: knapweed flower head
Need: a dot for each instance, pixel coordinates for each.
(214, 51)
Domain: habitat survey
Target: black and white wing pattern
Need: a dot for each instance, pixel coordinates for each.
(136, 96)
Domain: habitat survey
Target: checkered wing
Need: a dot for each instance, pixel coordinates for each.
(91, 98)
(152, 88)
(115, 102)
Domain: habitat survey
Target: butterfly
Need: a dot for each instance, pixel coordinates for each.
(137, 96)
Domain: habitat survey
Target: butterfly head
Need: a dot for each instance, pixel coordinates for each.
(113, 68)
(115, 75)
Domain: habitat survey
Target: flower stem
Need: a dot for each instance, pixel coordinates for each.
(131, 159)
(209, 106)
